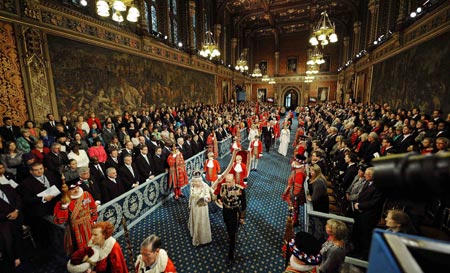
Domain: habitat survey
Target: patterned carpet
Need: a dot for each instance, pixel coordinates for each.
(259, 241)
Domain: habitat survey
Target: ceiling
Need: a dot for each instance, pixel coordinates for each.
(278, 17)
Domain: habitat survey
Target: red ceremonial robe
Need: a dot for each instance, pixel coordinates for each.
(177, 172)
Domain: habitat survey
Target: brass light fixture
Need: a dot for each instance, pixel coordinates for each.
(257, 71)
(117, 7)
(324, 32)
(241, 64)
(209, 47)
(315, 57)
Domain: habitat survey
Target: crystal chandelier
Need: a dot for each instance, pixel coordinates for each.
(209, 47)
(117, 7)
(272, 81)
(241, 64)
(315, 57)
(324, 32)
(256, 71)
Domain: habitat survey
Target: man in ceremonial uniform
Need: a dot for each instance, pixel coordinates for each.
(80, 214)
(232, 196)
(211, 142)
(240, 173)
(177, 172)
(153, 259)
(294, 193)
(211, 168)
(255, 152)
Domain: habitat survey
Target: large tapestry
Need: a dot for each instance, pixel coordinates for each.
(89, 78)
(417, 77)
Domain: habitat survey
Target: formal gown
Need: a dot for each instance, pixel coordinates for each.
(284, 142)
(199, 224)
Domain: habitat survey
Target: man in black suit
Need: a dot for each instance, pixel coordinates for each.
(368, 207)
(187, 147)
(50, 125)
(96, 189)
(108, 133)
(144, 164)
(158, 162)
(38, 209)
(269, 136)
(113, 184)
(55, 161)
(128, 150)
(11, 220)
(350, 172)
(128, 173)
(406, 139)
(153, 144)
(113, 159)
(373, 149)
(97, 169)
(8, 131)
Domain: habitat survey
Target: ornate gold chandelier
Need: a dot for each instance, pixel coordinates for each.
(257, 71)
(241, 64)
(324, 32)
(315, 57)
(117, 7)
(209, 47)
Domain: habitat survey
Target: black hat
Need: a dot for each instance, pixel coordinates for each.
(97, 139)
(73, 183)
(27, 156)
(306, 248)
(300, 158)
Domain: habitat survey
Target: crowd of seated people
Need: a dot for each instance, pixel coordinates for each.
(103, 151)
(341, 141)
(109, 155)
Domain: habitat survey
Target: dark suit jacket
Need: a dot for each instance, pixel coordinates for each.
(374, 147)
(188, 149)
(127, 178)
(159, 165)
(8, 135)
(51, 130)
(33, 206)
(96, 189)
(111, 163)
(145, 169)
(370, 201)
(113, 190)
(54, 163)
(96, 174)
(15, 202)
(348, 176)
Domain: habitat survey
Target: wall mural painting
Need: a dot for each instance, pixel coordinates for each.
(89, 78)
(416, 76)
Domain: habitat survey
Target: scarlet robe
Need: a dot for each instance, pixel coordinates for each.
(212, 172)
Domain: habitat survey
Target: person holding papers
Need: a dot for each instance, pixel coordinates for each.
(39, 200)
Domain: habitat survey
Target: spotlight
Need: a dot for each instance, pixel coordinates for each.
(419, 10)
(83, 3)
(375, 42)
(180, 44)
(413, 14)
(165, 37)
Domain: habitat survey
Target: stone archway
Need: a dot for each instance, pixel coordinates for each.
(291, 98)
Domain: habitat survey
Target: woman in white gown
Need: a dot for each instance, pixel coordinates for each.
(284, 140)
(252, 133)
(199, 225)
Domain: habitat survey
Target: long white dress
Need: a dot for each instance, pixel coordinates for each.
(251, 134)
(199, 224)
(284, 141)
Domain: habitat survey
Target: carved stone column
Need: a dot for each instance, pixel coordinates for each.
(192, 45)
(373, 8)
(346, 49)
(356, 38)
(234, 42)
(142, 26)
(277, 63)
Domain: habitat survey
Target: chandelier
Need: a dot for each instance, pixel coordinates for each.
(241, 64)
(117, 7)
(315, 57)
(324, 32)
(209, 47)
(272, 81)
(256, 71)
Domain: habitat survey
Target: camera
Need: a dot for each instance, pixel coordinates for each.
(413, 176)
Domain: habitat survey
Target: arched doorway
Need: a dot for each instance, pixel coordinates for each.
(290, 99)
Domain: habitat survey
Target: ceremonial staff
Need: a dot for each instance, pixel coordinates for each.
(128, 240)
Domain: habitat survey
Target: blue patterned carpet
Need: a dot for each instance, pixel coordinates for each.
(259, 241)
